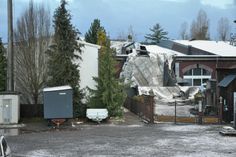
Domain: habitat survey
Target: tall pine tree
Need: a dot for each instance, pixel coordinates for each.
(158, 34)
(92, 35)
(62, 69)
(109, 93)
(3, 67)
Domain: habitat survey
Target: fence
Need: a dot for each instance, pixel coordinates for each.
(143, 106)
(183, 112)
(31, 110)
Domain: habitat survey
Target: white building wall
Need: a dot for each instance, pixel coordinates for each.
(88, 65)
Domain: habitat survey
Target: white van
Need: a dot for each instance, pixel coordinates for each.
(5, 149)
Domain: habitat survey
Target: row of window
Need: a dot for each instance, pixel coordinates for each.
(195, 82)
(197, 72)
(196, 76)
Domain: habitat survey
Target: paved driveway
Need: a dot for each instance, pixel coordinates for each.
(162, 140)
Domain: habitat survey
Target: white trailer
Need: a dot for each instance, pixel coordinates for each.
(97, 114)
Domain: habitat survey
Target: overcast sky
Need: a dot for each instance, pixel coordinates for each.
(118, 15)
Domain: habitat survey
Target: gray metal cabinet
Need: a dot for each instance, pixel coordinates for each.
(58, 102)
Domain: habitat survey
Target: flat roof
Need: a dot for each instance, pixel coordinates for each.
(220, 48)
(162, 50)
(206, 57)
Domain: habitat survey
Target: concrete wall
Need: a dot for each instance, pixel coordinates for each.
(14, 108)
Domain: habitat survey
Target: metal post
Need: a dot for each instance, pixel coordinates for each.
(234, 110)
(200, 112)
(10, 54)
(175, 111)
(220, 110)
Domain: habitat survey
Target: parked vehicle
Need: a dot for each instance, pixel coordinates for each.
(5, 149)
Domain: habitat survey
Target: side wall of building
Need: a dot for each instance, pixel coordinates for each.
(88, 66)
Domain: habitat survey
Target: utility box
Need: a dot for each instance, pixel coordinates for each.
(9, 107)
(58, 102)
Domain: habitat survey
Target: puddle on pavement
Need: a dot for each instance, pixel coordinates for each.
(10, 132)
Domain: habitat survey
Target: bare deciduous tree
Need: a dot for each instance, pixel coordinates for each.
(200, 26)
(130, 35)
(121, 36)
(223, 28)
(32, 38)
(184, 31)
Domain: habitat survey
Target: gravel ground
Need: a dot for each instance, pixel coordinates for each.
(162, 140)
(169, 110)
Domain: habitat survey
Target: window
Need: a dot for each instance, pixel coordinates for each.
(196, 76)
(189, 82)
(204, 80)
(197, 71)
(196, 82)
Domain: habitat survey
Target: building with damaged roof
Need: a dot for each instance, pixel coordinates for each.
(211, 63)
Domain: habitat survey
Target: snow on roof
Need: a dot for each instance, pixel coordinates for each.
(163, 51)
(217, 47)
(119, 44)
(58, 88)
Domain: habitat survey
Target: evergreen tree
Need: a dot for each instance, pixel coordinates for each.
(92, 35)
(109, 93)
(62, 71)
(3, 67)
(158, 34)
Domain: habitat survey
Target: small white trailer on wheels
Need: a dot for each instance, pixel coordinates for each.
(97, 114)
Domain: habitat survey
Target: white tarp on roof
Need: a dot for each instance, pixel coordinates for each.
(147, 70)
(143, 70)
(217, 47)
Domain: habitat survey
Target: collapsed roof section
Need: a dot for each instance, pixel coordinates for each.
(148, 65)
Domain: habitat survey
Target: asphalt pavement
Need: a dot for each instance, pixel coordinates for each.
(127, 137)
(162, 140)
